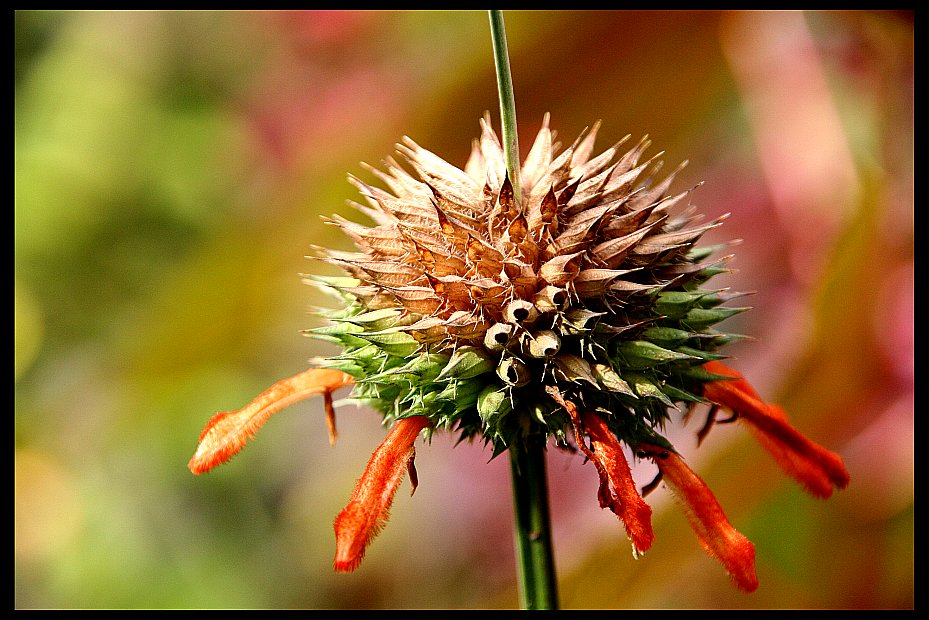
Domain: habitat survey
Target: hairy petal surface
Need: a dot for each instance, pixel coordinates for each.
(716, 535)
(817, 469)
(228, 431)
(626, 502)
(617, 489)
(368, 509)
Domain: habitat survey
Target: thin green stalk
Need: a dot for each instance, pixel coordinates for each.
(535, 561)
(507, 100)
(534, 554)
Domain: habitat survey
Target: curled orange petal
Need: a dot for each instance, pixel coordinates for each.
(623, 498)
(228, 431)
(716, 535)
(367, 510)
(626, 502)
(817, 469)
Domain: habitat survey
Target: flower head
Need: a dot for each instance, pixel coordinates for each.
(577, 309)
(465, 299)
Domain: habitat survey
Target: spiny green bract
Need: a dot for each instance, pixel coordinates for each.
(631, 378)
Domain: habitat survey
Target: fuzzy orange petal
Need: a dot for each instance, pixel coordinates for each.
(623, 498)
(628, 505)
(228, 431)
(817, 469)
(367, 510)
(716, 535)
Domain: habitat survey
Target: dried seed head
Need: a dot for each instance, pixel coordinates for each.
(589, 284)
(577, 310)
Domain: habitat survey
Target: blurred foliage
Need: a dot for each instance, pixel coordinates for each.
(171, 169)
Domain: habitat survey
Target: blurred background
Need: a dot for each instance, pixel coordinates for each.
(171, 173)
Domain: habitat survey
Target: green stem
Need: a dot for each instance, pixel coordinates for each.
(534, 554)
(507, 100)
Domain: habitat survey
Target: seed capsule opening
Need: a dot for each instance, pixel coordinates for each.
(497, 336)
(543, 344)
(521, 312)
(514, 372)
(550, 299)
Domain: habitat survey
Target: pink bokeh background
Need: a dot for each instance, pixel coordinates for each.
(199, 151)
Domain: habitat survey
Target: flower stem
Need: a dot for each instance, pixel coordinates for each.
(507, 100)
(534, 554)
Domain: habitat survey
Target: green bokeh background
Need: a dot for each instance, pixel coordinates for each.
(171, 169)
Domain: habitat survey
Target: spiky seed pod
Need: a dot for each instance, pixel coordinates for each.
(465, 297)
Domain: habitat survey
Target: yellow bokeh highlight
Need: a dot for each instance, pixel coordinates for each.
(27, 318)
(47, 509)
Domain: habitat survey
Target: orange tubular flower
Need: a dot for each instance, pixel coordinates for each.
(706, 517)
(367, 510)
(817, 469)
(227, 432)
(607, 456)
(624, 500)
